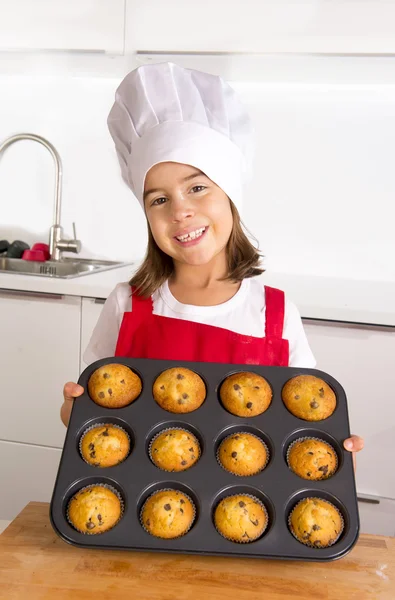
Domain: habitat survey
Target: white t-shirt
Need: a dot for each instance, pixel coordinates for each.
(244, 313)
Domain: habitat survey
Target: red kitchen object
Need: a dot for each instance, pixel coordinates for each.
(43, 248)
(37, 255)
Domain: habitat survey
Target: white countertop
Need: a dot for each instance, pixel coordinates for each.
(316, 297)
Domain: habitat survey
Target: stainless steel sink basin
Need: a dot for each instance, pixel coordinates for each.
(64, 269)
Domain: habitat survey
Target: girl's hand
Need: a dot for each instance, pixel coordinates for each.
(354, 444)
(70, 392)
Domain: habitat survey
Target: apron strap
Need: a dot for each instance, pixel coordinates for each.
(141, 307)
(275, 309)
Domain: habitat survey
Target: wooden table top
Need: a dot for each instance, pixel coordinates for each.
(36, 564)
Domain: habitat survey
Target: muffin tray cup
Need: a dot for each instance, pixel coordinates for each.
(206, 483)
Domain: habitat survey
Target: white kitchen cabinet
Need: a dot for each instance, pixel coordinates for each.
(26, 473)
(86, 25)
(270, 26)
(39, 353)
(362, 360)
(90, 312)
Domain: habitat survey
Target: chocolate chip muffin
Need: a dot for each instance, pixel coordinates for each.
(179, 390)
(168, 514)
(114, 386)
(104, 445)
(240, 518)
(312, 459)
(309, 398)
(315, 522)
(245, 394)
(174, 450)
(242, 454)
(94, 509)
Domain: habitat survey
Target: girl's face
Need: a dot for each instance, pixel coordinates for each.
(189, 215)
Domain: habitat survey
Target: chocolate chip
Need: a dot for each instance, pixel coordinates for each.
(180, 401)
(234, 454)
(182, 501)
(102, 395)
(324, 469)
(249, 404)
(237, 437)
(96, 464)
(329, 453)
(91, 446)
(193, 457)
(122, 381)
(99, 517)
(314, 404)
(241, 503)
(236, 386)
(90, 525)
(179, 376)
(317, 543)
(308, 474)
(148, 522)
(105, 433)
(155, 449)
(181, 511)
(184, 462)
(190, 449)
(162, 387)
(256, 387)
(185, 396)
(297, 397)
(245, 534)
(110, 391)
(312, 453)
(321, 392)
(92, 454)
(316, 527)
(256, 523)
(106, 375)
(167, 507)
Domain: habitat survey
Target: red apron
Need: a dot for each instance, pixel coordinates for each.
(145, 335)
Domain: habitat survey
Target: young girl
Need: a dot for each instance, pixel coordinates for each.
(183, 143)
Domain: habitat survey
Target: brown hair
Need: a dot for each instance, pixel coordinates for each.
(243, 260)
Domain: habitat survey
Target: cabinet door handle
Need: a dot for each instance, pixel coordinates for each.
(368, 499)
(100, 300)
(26, 293)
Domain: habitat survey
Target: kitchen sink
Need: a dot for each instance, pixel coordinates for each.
(66, 268)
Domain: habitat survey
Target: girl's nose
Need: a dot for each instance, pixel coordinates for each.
(181, 209)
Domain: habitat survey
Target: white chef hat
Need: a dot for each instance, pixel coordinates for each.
(163, 112)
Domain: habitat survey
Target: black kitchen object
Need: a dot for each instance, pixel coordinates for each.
(207, 482)
(4, 245)
(16, 249)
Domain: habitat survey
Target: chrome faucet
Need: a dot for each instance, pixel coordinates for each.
(56, 243)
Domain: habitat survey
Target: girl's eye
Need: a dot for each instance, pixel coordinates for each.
(198, 188)
(158, 201)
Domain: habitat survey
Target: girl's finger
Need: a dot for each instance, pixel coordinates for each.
(72, 390)
(354, 443)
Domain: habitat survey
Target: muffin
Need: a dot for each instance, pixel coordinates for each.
(104, 445)
(168, 514)
(312, 459)
(174, 450)
(316, 522)
(179, 390)
(243, 454)
(240, 518)
(114, 386)
(94, 509)
(245, 394)
(309, 398)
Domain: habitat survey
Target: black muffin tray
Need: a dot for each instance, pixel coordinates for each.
(206, 483)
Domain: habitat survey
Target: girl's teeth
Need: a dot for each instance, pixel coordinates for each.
(191, 236)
